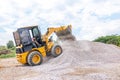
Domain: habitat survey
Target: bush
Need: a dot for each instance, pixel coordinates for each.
(7, 53)
(12, 54)
(110, 39)
(2, 48)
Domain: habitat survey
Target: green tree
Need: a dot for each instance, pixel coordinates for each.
(10, 44)
(110, 39)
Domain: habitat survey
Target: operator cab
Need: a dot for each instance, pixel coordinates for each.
(25, 36)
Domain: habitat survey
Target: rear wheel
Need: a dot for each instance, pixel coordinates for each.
(56, 50)
(34, 58)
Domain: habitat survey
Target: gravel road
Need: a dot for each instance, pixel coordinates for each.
(81, 60)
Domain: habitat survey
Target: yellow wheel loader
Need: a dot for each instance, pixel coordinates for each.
(31, 46)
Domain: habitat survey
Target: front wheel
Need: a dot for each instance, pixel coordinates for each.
(56, 50)
(34, 58)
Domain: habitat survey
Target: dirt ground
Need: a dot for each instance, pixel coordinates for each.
(81, 60)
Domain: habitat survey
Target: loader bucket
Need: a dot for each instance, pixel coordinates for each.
(66, 34)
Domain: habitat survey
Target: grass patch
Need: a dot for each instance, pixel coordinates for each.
(11, 54)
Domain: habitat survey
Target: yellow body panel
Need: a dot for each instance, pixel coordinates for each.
(22, 57)
(49, 46)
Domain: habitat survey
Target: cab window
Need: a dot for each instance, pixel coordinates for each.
(35, 32)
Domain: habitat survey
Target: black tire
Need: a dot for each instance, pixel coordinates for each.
(32, 55)
(53, 50)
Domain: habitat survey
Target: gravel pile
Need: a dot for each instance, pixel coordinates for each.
(79, 58)
(78, 51)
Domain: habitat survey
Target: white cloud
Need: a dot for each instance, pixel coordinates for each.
(82, 14)
(91, 26)
(5, 38)
(45, 4)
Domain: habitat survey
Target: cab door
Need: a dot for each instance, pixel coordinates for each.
(16, 38)
(25, 39)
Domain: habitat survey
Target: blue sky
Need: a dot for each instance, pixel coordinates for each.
(89, 18)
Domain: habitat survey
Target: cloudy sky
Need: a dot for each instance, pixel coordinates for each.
(89, 18)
